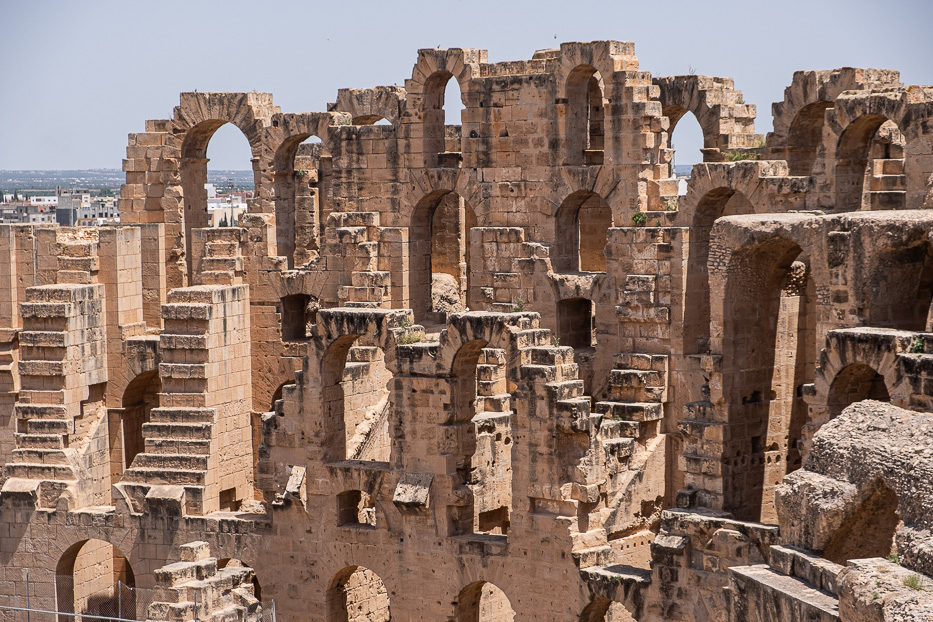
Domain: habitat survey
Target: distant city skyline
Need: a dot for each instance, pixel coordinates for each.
(76, 78)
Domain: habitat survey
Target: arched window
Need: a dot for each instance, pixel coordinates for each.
(356, 508)
(94, 578)
(686, 146)
(805, 136)
(855, 383)
(442, 105)
(483, 601)
(870, 166)
(357, 594)
(581, 231)
(139, 398)
(302, 179)
(585, 117)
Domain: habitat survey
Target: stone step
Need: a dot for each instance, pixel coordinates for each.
(594, 538)
(818, 572)
(633, 360)
(772, 591)
(886, 200)
(494, 403)
(888, 166)
(44, 441)
(32, 396)
(45, 426)
(184, 446)
(180, 573)
(40, 411)
(371, 279)
(547, 355)
(631, 411)
(534, 337)
(621, 448)
(886, 183)
(177, 430)
(352, 235)
(222, 248)
(164, 414)
(36, 471)
(222, 264)
(38, 455)
(635, 378)
(565, 390)
(43, 339)
(593, 556)
(171, 462)
(149, 475)
(611, 429)
(360, 354)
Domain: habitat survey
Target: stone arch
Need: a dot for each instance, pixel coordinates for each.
(88, 576)
(338, 331)
(869, 530)
(232, 562)
(482, 601)
(854, 383)
(601, 609)
(716, 191)
(852, 160)
(198, 117)
(901, 286)
(301, 176)
(711, 100)
(805, 136)
(750, 311)
(367, 106)
(426, 90)
(139, 398)
(439, 244)
(580, 233)
(357, 594)
(584, 131)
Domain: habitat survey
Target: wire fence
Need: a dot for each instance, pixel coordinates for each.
(78, 603)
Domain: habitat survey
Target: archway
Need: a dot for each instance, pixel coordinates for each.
(575, 323)
(870, 166)
(356, 401)
(687, 147)
(139, 398)
(767, 338)
(303, 170)
(585, 131)
(439, 242)
(580, 233)
(869, 531)
(357, 594)
(805, 137)
(482, 601)
(901, 288)
(94, 578)
(602, 609)
(442, 103)
(230, 189)
(232, 562)
(715, 204)
(854, 383)
(298, 313)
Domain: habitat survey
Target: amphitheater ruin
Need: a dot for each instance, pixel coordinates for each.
(493, 371)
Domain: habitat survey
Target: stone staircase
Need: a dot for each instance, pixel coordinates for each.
(637, 391)
(196, 589)
(222, 262)
(358, 235)
(887, 187)
(795, 582)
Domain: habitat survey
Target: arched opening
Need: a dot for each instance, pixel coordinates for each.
(483, 601)
(356, 508)
(602, 609)
(221, 192)
(277, 394)
(439, 259)
(443, 103)
(93, 578)
(370, 120)
(298, 313)
(688, 146)
(357, 594)
(126, 432)
(229, 562)
(901, 288)
(483, 463)
(715, 204)
(585, 129)
(767, 337)
(302, 176)
(576, 325)
(794, 362)
(355, 401)
(870, 166)
(869, 531)
(581, 228)
(854, 383)
(804, 137)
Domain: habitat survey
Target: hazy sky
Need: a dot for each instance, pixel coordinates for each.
(77, 77)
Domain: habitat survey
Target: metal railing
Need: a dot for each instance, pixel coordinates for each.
(116, 603)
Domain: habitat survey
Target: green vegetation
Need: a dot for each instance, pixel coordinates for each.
(916, 347)
(518, 305)
(737, 155)
(914, 582)
(639, 218)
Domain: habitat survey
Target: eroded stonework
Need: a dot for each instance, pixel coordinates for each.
(498, 370)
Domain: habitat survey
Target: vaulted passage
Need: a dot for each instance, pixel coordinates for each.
(580, 232)
(870, 166)
(855, 383)
(357, 594)
(93, 578)
(483, 602)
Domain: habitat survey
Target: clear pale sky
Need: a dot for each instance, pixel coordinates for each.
(77, 77)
